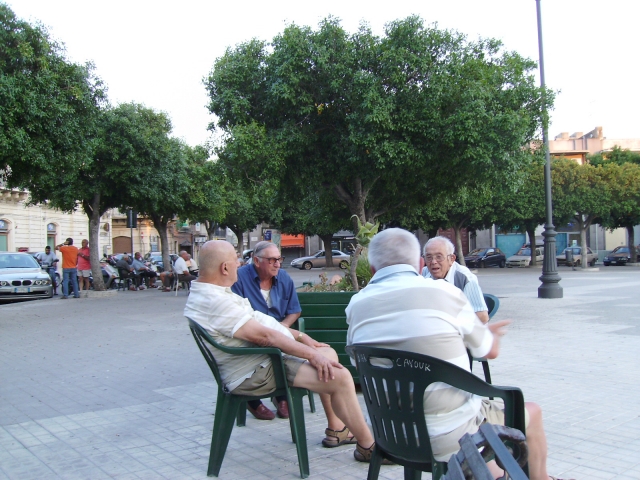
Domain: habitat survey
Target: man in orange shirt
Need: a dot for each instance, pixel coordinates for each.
(69, 267)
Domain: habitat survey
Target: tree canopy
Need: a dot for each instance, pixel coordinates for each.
(381, 123)
(48, 105)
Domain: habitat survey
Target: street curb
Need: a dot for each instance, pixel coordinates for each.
(97, 294)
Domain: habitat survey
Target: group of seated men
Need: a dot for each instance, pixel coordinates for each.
(399, 309)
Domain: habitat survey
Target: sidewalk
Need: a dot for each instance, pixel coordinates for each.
(116, 387)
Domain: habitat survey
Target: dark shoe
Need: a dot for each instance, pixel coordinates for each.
(282, 408)
(362, 454)
(262, 412)
(335, 438)
(63, 297)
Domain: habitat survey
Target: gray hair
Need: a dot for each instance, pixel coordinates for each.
(394, 246)
(260, 246)
(447, 244)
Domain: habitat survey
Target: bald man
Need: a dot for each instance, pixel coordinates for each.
(231, 321)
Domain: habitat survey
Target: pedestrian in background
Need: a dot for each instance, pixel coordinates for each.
(84, 266)
(69, 267)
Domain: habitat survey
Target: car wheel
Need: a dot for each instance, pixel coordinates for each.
(344, 264)
(577, 263)
(307, 265)
(483, 265)
(503, 263)
(606, 264)
(593, 263)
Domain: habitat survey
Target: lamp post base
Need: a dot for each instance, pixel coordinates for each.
(550, 290)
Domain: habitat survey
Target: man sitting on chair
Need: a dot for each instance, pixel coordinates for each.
(231, 321)
(440, 264)
(399, 309)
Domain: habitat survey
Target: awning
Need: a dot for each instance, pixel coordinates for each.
(291, 241)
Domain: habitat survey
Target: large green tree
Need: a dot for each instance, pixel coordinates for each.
(382, 123)
(581, 195)
(624, 207)
(617, 155)
(48, 106)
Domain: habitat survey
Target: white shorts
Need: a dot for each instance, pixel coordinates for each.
(84, 273)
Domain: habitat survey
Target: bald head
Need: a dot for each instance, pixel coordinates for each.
(218, 263)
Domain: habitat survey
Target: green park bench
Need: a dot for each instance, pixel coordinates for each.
(324, 319)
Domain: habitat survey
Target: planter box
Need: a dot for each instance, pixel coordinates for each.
(323, 318)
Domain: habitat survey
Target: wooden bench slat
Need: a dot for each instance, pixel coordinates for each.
(325, 323)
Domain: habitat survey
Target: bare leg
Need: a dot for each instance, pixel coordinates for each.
(537, 443)
(342, 394)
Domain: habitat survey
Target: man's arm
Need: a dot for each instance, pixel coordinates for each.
(498, 329)
(254, 332)
(476, 299)
(290, 319)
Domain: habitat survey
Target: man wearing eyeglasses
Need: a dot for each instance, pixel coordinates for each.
(441, 265)
(270, 290)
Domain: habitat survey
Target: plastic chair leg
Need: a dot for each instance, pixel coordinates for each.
(226, 411)
(312, 403)
(412, 474)
(242, 415)
(487, 373)
(298, 431)
(374, 465)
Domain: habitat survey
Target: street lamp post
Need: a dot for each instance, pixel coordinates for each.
(550, 279)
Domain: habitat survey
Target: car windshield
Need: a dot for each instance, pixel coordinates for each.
(575, 250)
(478, 252)
(620, 250)
(18, 261)
(156, 258)
(524, 251)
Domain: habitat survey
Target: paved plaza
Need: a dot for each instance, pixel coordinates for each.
(115, 387)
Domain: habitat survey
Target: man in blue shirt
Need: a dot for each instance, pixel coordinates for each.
(270, 290)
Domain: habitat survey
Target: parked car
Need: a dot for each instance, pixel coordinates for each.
(592, 258)
(619, 256)
(21, 278)
(485, 257)
(523, 257)
(318, 259)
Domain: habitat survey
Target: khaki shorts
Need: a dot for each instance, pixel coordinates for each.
(84, 273)
(491, 411)
(263, 380)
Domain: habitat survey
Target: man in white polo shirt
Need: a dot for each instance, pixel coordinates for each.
(440, 264)
(231, 321)
(401, 310)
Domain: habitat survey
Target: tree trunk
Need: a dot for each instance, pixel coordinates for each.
(238, 234)
(584, 225)
(211, 228)
(93, 212)
(459, 253)
(632, 244)
(352, 269)
(531, 232)
(160, 223)
(328, 254)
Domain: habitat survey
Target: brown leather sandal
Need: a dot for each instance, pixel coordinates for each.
(362, 454)
(335, 438)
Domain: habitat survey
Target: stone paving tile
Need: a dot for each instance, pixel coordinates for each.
(145, 415)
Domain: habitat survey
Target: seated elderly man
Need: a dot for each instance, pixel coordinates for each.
(440, 263)
(401, 310)
(231, 321)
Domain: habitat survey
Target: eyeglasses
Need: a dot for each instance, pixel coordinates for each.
(438, 258)
(272, 260)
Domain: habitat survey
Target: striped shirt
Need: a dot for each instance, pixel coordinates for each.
(401, 310)
(222, 313)
(466, 281)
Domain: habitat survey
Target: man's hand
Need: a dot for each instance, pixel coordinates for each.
(499, 329)
(307, 340)
(324, 366)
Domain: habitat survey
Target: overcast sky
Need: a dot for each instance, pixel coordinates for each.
(157, 52)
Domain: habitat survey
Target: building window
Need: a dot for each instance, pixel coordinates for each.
(4, 236)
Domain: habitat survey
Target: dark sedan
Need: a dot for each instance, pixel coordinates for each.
(485, 257)
(618, 256)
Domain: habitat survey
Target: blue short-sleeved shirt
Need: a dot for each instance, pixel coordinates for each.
(284, 298)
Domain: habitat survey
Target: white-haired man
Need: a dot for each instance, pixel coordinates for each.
(440, 264)
(232, 322)
(433, 318)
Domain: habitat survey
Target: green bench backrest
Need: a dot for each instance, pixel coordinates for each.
(325, 320)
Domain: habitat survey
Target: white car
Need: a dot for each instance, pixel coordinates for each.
(21, 278)
(523, 257)
(318, 259)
